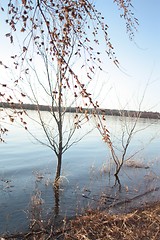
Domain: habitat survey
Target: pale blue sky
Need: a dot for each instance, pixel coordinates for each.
(139, 59)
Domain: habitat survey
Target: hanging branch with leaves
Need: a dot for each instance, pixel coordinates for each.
(63, 32)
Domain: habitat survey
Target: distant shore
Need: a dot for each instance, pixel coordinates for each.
(109, 112)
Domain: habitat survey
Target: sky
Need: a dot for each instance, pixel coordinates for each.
(136, 84)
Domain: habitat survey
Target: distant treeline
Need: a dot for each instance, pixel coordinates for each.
(109, 112)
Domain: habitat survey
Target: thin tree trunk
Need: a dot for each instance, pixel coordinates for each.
(60, 145)
(58, 170)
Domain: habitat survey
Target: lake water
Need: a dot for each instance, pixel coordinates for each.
(27, 169)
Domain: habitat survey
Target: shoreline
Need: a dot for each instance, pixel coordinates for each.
(108, 112)
(97, 224)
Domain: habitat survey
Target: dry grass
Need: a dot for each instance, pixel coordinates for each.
(136, 164)
(142, 224)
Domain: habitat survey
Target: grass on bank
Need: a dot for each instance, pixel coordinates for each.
(141, 224)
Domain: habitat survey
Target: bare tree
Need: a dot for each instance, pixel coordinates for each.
(59, 126)
(128, 133)
(61, 32)
(129, 121)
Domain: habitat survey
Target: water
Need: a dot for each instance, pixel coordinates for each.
(27, 167)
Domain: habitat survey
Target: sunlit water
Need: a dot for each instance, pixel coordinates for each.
(26, 167)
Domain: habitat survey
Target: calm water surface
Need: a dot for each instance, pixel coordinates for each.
(26, 167)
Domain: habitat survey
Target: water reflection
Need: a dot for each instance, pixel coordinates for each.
(56, 200)
(37, 212)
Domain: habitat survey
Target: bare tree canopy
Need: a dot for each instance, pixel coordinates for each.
(61, 32)
(57, 21)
